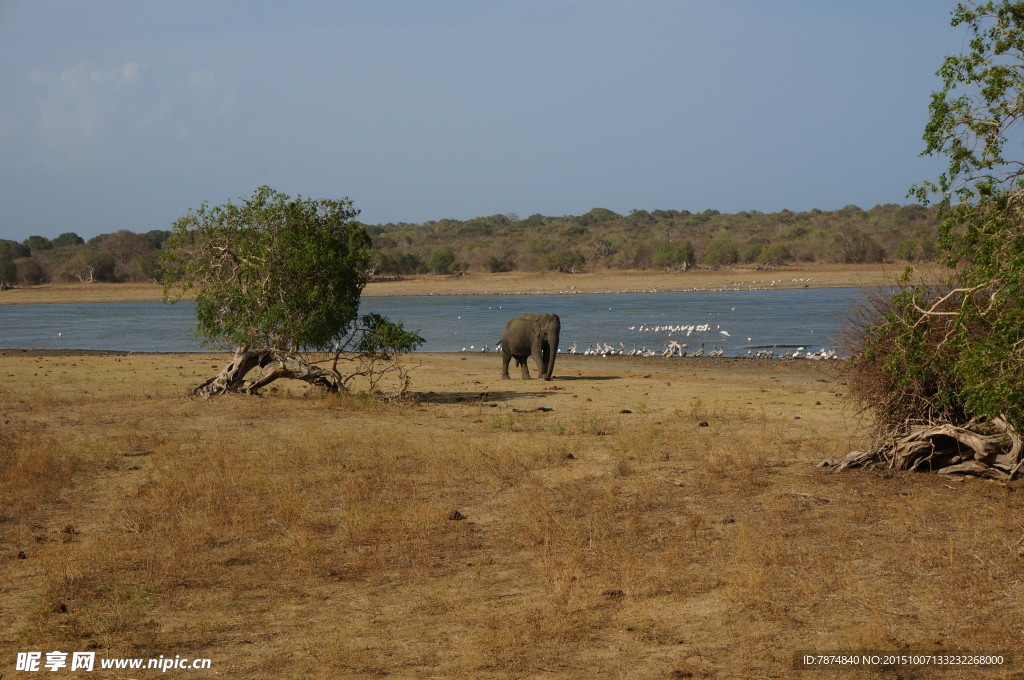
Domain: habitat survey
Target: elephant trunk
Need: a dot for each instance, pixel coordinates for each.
(549, 360)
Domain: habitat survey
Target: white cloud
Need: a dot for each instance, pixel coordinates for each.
(81, 107)
(201, 80)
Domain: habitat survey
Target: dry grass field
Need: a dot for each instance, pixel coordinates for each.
(657, 519)
(743, 278)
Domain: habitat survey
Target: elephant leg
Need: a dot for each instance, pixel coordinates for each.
(526, 369)
(505, 358)
(545, 356)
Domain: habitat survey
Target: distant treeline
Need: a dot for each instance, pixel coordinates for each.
(599, 239)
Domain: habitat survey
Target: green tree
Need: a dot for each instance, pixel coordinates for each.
(673, 255)
(126, 247)
(567, 260)
(441, 260)
(721, 251)
(774, 255)
(751, 251)
(274, 277)
(952, 351)
(499, 261)
(8, 272)
(37, 243)
(157, 237)
(68, 238)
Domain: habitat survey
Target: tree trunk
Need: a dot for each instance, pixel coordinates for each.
(275, 364)
(990, 449)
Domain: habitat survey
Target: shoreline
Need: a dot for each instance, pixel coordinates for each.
(523, 283)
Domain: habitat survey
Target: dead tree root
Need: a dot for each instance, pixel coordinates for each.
(983, 448)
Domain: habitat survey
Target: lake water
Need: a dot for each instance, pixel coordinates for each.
(809, 318)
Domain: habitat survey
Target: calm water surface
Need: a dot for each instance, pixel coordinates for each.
(809, 318)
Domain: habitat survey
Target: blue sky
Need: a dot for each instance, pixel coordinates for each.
(126, 114)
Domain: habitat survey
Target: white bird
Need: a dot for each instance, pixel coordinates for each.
(725, 333)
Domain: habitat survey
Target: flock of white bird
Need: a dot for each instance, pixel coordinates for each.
(674, 348)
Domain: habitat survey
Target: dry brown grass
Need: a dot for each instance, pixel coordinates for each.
(301, 536)
(789, 276)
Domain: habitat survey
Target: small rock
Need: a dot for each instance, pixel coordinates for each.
(456, 515)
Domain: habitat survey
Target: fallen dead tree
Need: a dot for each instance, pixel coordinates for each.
(983, 448)
(275, 364)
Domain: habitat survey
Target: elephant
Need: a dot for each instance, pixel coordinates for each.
(531, 335)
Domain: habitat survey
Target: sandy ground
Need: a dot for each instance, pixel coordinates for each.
(737, 278)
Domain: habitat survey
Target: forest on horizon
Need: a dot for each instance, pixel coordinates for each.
(597, 240)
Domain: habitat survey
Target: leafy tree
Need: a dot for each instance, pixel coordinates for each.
(88, 265)
(13, 249)
(774, 255)
(29, 271)
(601, 249)
(125, 247)
(441, 260)
(399, 263)
(37, 243)
(500, 261)
(951, 352)
(274, 277)
(721, 251)
(565, 260)
(852, 246)
(157, 237)
(148, 264)
(8, 272)
(68, 238)
(672, 255)
(751, 251)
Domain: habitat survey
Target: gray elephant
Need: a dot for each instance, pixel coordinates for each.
(528, 336)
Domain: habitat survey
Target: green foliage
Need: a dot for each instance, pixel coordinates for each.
(35, 243)
(751, 251)
(774, 255)
(8, 272)
(379, 336)
(721, 252)
(68, 238)
(568, 260)
(88, 265)
(672, 255)
(156, 237)
(272, 272)
(442, 260)
(499, 262)
(954, 349)
(399, 263)
(13, 249)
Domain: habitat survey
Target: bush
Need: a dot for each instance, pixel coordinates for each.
(721, 252)
(499, 262)
(671, 255)
(441, 261)
(564, 260)
(774, 255)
